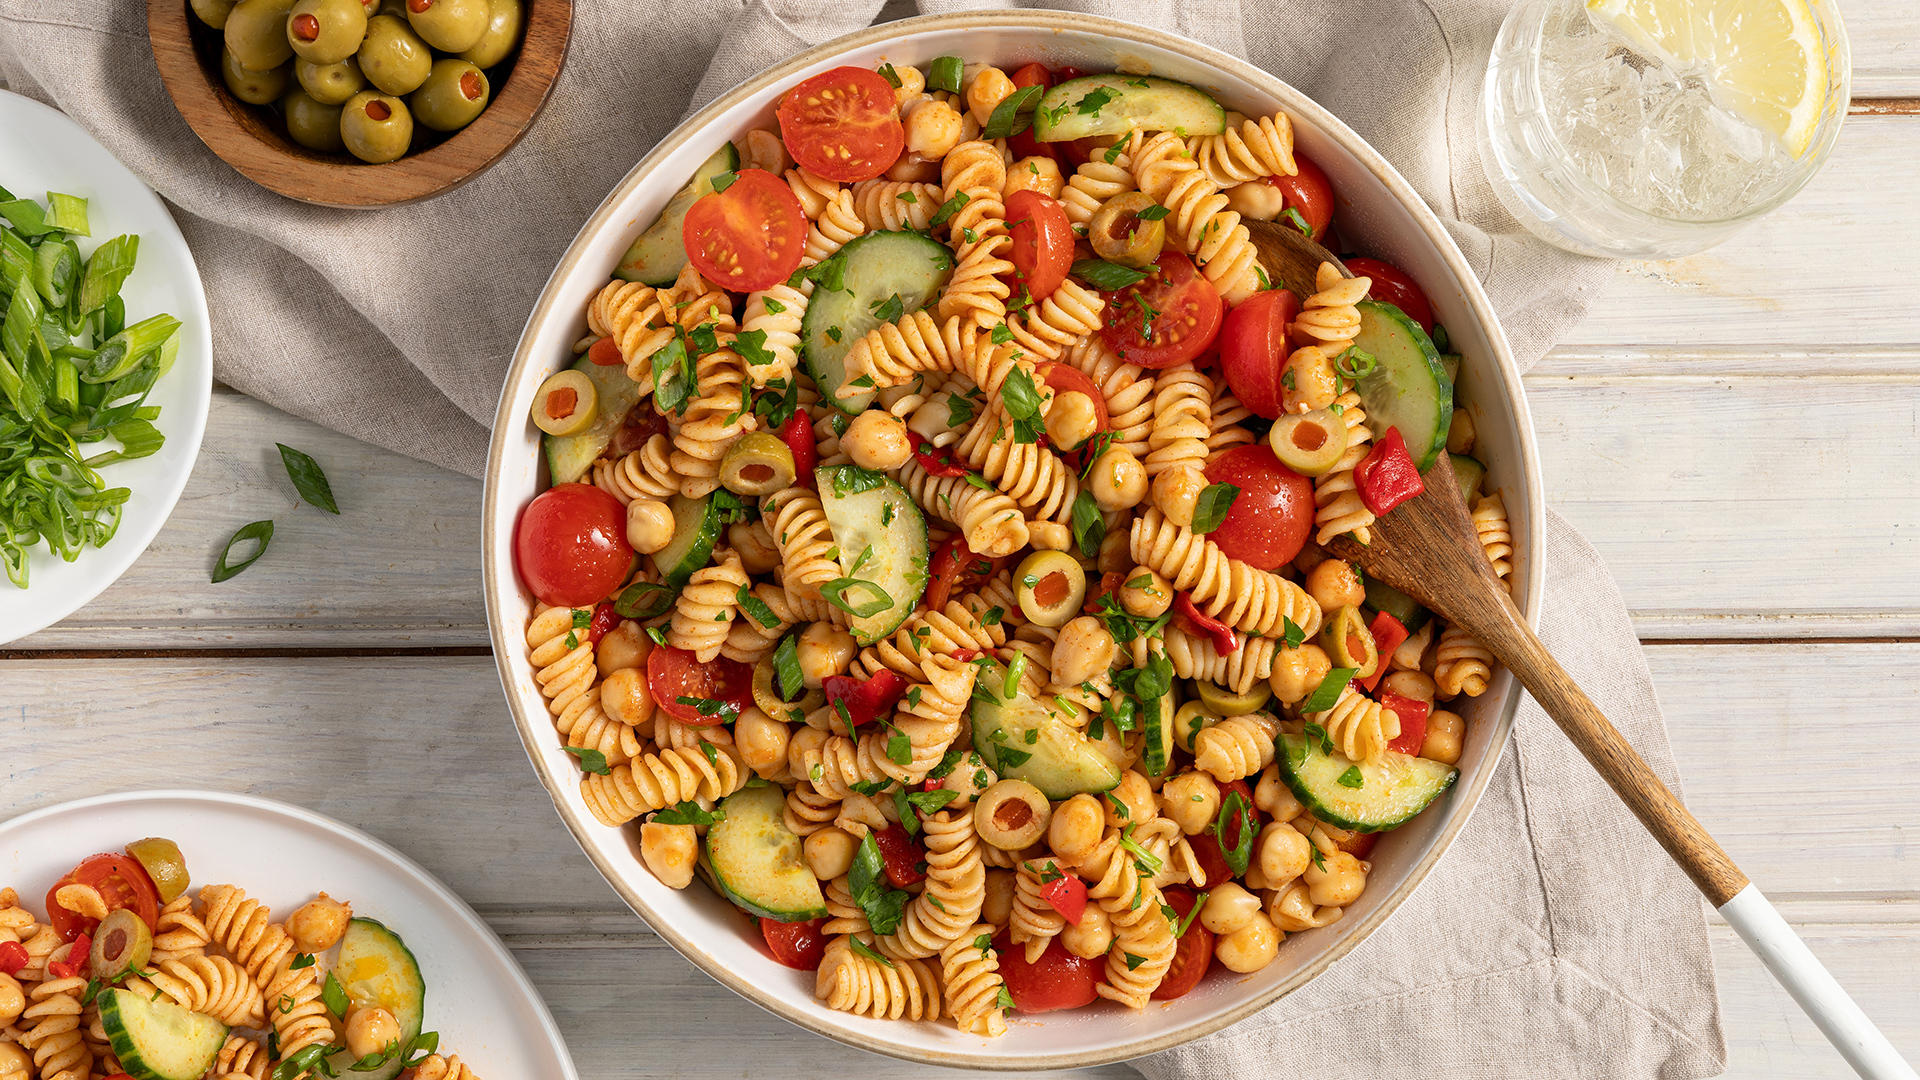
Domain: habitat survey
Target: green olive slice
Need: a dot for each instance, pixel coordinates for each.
(759, 464)
(1309, 443)
(1050, 586)
(1190, 719)
(565, 404)
(162, 861)
(766, 696)
(1120, 235)
(1349, 643)
(121, 943)
(1224, 702)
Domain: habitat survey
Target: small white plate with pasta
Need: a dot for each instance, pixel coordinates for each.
(476, 998)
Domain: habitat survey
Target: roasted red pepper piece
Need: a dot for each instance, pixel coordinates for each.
(1110, 583)
(1413, 721)
(76, 962)
(1224, 639)
(1067, 895)
(938, 462)
(1388, 635)
(797, 433)
(604, 619)
(13, 957)
(1386, 476)
(865, 701)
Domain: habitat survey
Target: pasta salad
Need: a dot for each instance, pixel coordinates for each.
(130, 978)
(933, 558)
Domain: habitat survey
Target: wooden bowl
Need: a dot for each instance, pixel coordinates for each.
(253, 139)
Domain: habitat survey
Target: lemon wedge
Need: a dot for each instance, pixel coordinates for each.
(1764, 58)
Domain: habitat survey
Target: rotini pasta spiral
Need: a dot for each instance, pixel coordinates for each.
(1257, 148)
(1496, 535)
(568, 677)
(435, 1067)
(750, 640)
(1329, 316)
(991, 520)
(834, 763)
(1068, 314)
(853, 983)
(843, 915)
(178, 934)
(1093, 183)
(837, 226)
(706, 608)
(1338, 507)
(299, 1015)
(1038, 480)
(1128, 388)
(213, 985)
(1233, 592)
(1182, 412)
(976, 293)
(887, 205)
(640, 320)
(50, 1027)
(1358, 725)
(815, 192)
(656, 781)
(956, 888)
(1463, 665)
(799, 526)
(715, 419)
(1236, 747)
(242, 1059)
(809, 811)
(970, 972)
(1195, 657)
(776, 314)
(244, 927)
(1223, 422)
(1143, 948)
(1035, 922)
(646, 473)
(1198, 219)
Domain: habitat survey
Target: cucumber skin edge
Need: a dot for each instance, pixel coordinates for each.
(1321, 811)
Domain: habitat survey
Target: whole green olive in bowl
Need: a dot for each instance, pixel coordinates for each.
(449, 25)
(252, 87)
(311, 123)
(376, 128)
(393, 57)
(451, 97)
(330, 84)
(326, 31)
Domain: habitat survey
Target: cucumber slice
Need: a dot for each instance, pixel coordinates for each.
(1392, 790)
(1407, 388)
(1024, 740)
(377, 968)
(1115, 104)
(569, 457)
(756, 860)
(696, 527)
(158, 1040)
(882, 537)
(873, 269)
(1384, 597)
(1156, 743)
(1470, 473)
(659, 255)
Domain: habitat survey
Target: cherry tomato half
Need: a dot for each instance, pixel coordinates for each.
(673, 674)
(1253, 349)
(1271, 517)
(119, 879)
(1042, 242)
(1192, 955)
(1024, 144)
(900, 855)
(1391, 284)
(1167, 318)
(570, 546)
(1058, 980)
(843, 125)
(604, 619)
(796, 944)
(1308, 192)
(750, 236)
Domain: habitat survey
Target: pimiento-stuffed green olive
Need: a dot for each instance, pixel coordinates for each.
(452, 96)
(504, 18)
(566, 404)
(252, 87)
(1309, 443)
(1120, 235)
(759, 464)
(326, 31)
(1050, 587)
(449, 25)
(393, 57)
(121, 943)
(377, 128)
(330, 84)
(162, 861)
(1349, 643)
(1224, 702)
(213, 12)
(256, 34)
(313, 124)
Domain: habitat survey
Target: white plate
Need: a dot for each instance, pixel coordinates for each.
(41, 151)
(478, 999)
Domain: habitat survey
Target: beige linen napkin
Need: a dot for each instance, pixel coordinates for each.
(1555, 938)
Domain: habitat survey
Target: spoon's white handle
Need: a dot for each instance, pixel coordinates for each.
(1797, 969)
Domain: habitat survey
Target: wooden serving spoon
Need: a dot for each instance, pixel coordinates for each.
(1427, 548)
(1289, 255)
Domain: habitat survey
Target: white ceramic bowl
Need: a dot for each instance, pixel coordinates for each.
(1379, 214)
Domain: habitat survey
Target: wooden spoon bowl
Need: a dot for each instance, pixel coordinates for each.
(1289, 255)
(253, 139)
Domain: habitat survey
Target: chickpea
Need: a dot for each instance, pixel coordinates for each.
(15, 1062)
(1410, 684)
(626, 697)
(1041, 174)
(753, 542)
(762, 742)
(13, 1001)
(969, 778)
(1229, 907)
(1460, 433)
(624, 646)
(877, 439)
(824, 650)
(998, 908)
(932, 128)
(1445, 733)
(1092, 936)
(1336, 880)
(1077, 828)
(1256, 199)
(912, 168)
(1071, 421)
(1176, 491)
(1118, 480)
(1333, 584)
(1251, 947)
(986, 88)
(1284, 853)
(317, 926)
(1275, 798)
(1136, 794)
(1296, 672)
(649, 525)
(1085, 649)
(669, 851)
(369, 1030)
(1049, 536)
(912, 84)
(1315, 383)
(1150, 598)
(829, 852)
(1191, 800)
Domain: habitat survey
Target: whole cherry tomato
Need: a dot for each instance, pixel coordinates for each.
(1269, 521)
(1024, 144)
(570, 545)
(119, 879)
(843, 124)
(796, 944)
(673, 674)
(750, 236)
(1192, 955)
(1042, 247)
(1309, 193)
(1253, 349)
(1391, 284)
(1169, 317)
(1058, 980)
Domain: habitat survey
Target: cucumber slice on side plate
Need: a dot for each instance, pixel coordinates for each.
(871, 271)
(882, 538)
(377, 969)
(1408, 388)
(1391, 790)
(1114, 104)
(696, 527)
(158, 1040)
(659, 255)
(756, 860)
(569, 457)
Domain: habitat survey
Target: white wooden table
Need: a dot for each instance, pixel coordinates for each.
(1738, 433)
